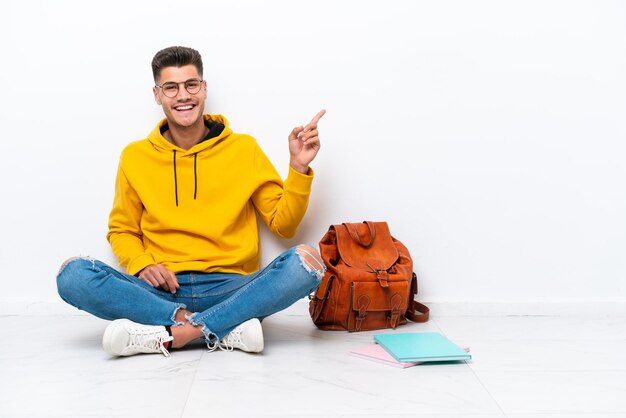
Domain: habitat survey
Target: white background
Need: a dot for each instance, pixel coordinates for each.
(489, 134)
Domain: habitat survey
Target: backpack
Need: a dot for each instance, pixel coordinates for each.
(369, 282)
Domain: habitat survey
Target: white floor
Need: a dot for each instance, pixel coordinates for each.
(523, 366)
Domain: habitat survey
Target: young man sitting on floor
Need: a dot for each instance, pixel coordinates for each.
(184, 225)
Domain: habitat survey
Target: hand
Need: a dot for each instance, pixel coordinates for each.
(304, 143)
(156, 275)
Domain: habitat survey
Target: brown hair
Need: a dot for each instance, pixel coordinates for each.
(175, 56)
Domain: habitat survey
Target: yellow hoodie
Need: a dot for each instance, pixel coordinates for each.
(195, 210)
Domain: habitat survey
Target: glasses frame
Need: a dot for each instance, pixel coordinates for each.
(173, 83)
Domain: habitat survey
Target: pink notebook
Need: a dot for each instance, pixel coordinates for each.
(375, 352)
(378, 354)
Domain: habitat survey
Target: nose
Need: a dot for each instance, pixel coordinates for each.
(183, 94)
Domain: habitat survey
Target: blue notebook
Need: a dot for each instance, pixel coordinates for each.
(421, 346)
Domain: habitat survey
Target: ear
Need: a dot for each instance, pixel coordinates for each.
(156, 95)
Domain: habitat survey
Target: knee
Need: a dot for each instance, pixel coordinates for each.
(69, 274)
(311, 260)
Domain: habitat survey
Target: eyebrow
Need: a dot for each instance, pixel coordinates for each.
(174, 82)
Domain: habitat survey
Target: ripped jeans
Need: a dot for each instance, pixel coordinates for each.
(219, 301)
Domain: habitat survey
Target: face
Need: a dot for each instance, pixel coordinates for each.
(184, 109)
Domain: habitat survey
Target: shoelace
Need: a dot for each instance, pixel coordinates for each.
(228, 342)
(151, 340)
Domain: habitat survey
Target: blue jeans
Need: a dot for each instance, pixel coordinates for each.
(219, 301)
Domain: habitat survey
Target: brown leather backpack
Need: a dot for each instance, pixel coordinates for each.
(369, 283)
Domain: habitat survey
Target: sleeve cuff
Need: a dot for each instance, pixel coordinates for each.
(298, 181)
(139, 263)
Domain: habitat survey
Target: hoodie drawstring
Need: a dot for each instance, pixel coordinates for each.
(195, 177)
(175, 179)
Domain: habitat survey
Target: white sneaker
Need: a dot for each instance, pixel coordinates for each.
(246, 337)
(124, 337)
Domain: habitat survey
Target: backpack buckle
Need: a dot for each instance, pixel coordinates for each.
(383, 278)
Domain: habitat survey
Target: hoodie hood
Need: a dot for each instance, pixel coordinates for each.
(218, 132)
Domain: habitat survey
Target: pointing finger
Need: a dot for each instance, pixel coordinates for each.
(317, 117)
(313, 123)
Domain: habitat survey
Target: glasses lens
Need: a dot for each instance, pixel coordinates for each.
(193, 86)
(170, 89)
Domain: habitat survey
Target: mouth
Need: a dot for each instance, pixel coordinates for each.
(184, 107)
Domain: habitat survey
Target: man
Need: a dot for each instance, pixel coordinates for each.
(184, 225)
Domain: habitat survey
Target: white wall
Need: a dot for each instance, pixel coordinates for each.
(489, 134)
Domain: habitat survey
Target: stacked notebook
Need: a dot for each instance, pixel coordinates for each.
(409, 349)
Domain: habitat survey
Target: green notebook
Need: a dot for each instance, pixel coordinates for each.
(421, 346)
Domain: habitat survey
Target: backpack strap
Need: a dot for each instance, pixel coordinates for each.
(356, 237)
(416, 312)
(318, 299)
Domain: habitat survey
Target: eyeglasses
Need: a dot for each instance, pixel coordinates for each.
(170, 89)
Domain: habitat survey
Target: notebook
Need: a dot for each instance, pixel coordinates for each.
(421, 347)
(378, 354)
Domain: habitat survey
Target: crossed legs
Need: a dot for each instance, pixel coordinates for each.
(97, 288)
